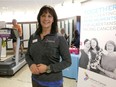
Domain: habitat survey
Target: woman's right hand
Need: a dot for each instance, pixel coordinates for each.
(34, 69)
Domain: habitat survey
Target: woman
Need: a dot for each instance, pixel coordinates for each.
(96, 53)
(76, 40)
(85, 55)
(45, 49)
(108, 61)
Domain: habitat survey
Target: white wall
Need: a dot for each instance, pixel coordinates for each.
(68, 10)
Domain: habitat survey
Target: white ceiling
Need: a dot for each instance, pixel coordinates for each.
(23, 5)
(26, 4)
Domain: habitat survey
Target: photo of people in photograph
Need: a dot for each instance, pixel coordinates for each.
(101, 60)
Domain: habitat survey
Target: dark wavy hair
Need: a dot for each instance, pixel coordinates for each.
(45, 9)
(97, 45)
(86, 40)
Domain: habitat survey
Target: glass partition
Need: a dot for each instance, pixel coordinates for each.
(33, 28)
(26, 34)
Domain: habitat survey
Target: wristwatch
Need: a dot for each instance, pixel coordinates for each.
(48, 69)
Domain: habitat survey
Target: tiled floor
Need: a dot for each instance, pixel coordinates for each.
(22, 79)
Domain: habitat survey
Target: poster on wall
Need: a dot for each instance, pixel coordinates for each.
(97, 64)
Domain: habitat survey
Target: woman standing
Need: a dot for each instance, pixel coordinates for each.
(45, 49)
(76, 40)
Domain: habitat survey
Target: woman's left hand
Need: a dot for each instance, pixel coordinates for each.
(42, 68)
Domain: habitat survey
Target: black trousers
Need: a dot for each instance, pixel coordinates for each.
(35, 84)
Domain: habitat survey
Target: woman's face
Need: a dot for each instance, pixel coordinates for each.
(46, 20)
(87, 45)
(93, 44)
(109, 47)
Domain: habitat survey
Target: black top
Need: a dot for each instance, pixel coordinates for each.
(84, 59)
(52, 50)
